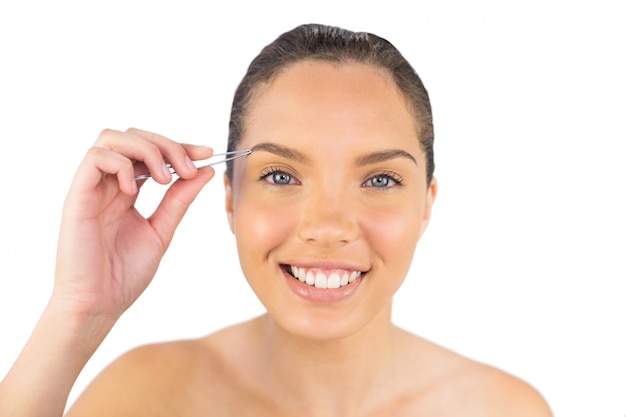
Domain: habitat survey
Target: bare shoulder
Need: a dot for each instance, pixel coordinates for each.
(477, 389)
(510, 395)
(159, 379)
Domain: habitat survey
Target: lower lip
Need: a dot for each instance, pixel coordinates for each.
(321, 295)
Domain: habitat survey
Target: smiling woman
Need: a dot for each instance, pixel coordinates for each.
(327, 211)
(338, 222)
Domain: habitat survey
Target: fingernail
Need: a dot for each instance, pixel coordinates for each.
(166, 171)
(189, 163)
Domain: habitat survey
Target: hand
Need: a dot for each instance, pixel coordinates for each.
(108, 252)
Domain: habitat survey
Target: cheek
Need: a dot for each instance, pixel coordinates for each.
(393, 234)
(260, 228)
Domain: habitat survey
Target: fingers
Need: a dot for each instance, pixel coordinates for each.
(125, 153)
(175, 204)
(196, 152)
(99, 161)
(137, 149)
(155, 151)
(151, 149)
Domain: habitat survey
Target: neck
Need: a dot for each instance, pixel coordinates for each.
(338, 376)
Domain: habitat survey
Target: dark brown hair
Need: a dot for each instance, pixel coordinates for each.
(333, 44)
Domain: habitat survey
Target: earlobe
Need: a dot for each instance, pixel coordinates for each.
(431, 194)
(228, 191)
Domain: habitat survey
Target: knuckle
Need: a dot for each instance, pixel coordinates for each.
(153, 151)
(178, 152)
(137, 132)
(105, 133)
(129, 167)
(106, 136)
(94, 152)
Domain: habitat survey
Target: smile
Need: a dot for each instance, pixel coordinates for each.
(323, 278)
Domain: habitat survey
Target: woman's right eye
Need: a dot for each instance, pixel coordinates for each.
(278, 177)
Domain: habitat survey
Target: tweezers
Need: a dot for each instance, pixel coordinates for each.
(203, 163)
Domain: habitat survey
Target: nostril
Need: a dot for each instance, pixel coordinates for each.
(329, 230)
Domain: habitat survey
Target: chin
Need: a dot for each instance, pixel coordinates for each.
(327, 323)
(318, 326)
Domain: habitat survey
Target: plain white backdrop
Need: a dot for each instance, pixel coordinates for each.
(524, 264)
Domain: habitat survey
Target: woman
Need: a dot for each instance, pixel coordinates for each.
(326, 210)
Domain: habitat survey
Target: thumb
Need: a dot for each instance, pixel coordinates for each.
(175, 203)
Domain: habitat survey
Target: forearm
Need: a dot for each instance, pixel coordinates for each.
(107, 255)
(40, 381)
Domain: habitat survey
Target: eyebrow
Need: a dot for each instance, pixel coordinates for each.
(386, 155)
(368, 159)
(281, 150)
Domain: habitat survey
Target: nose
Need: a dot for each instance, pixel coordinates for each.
(329, 219)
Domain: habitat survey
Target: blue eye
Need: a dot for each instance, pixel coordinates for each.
(281, 178)
(278, 177)
(382, 181)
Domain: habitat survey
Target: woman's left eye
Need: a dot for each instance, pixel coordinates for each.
(278, 177)
(281, 178)
(382, 181)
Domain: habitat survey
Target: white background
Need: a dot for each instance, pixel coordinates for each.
(524, 264)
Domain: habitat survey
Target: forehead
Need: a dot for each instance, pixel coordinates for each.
(319, 99)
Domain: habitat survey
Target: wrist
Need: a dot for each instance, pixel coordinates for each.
(62, 342)
(80, 321)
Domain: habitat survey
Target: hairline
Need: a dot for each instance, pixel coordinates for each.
(257, 91)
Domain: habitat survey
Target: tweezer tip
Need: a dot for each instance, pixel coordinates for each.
(202, 164)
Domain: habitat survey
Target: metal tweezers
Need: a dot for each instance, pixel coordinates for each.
(203, 163)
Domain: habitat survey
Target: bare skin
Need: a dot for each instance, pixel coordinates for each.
(107, 255)
(227, 374)
(330, 352)
(308, 357)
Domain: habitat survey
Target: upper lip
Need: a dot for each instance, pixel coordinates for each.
(326, 264)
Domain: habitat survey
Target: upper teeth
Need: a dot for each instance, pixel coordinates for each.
(323, 278)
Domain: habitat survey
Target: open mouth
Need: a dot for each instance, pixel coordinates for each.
(322, 278)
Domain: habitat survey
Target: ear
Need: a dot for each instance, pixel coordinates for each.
(431, 194)
(228, 189)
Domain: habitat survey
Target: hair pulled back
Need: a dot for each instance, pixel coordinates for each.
(333, 44)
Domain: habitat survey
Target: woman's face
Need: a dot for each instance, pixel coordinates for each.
(329, 206)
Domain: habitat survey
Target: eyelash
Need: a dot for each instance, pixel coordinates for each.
(266, 173)
(397, 180)
(385, 174)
